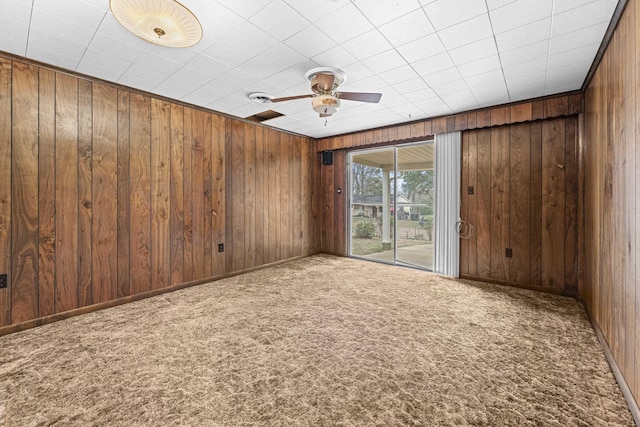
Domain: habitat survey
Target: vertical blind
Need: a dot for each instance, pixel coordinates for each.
(447, 205)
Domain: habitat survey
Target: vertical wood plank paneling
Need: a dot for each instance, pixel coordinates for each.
(260, 211)
(176, 191)
(66, 192)
(274, 196)
(464, 201)
(611, 218)
(140, 210)
(472, 202)
(160, 194)
(536, 203)
(197, 192)
(571, 206)
(483, 191)
(553, 185)
(124, 195)
(85, 196)
(5, 188)
(188, 248)
(339, 204)
(24, 198)
(228, 150)
(237, 195)
(104, 250)
(285, 195)
(218, 192)
(298, 234)
(249, 194)
(520, 203)
(499, 202)
(46, 192)
(306, 195)
(208, 204)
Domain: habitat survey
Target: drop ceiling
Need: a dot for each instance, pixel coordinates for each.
(428, 58)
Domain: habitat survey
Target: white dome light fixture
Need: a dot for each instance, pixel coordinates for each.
(163, 22)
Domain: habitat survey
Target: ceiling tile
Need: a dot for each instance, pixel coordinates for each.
(344, 24)
(208, 65)
(251, 38)
(480, 66)
(228, 53)
(246, 8)
(466, 32)
(525, 35)
(520, 13)
(578, 38)
(367, 45)
(102, 59)
(272, 61)
(79, 13)
(407, 28)
(560, 6)
(581, 54)
(399, 74)
(581, 17)
(104, 73)
(60, 28)
(56, 47)
(491, 77)
(494, 4)
(446, 13)
(474, 51)
(422, 48)
(217, 22)
(115, 48)
(524, 68)
(310, 42)
(336, 57)
(384, 61)
(525, 53)
(270, 19)
(441, 77)
(433, 64)
(316, 10)
(451, 87)
(380, 12)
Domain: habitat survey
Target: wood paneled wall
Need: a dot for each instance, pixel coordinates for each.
(520, 115)
(611, 150)
(334, 192)
(107, 193)
(561, 105)
(525, 198)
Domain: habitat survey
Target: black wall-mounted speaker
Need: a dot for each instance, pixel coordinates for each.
(327, 157)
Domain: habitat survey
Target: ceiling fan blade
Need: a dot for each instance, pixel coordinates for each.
(325, 115)
(360, 96)
(325, 81)
(291, 98)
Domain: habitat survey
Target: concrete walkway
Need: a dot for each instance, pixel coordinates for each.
(418, 255)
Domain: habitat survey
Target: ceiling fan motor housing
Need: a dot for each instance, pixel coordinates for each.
(325, 104)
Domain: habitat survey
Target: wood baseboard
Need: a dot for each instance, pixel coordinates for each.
(562, 292)
(5, 330)
(617, 373)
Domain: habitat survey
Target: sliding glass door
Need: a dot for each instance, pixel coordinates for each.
(391, 204)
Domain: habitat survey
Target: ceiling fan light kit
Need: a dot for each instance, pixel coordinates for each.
(325, 82)
(162, 22)
(325, 104)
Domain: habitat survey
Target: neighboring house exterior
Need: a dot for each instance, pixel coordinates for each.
(370, 205)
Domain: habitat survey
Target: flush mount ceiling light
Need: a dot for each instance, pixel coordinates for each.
(162, 22)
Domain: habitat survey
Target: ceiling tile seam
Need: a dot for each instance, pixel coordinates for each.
(495, 41)
(90, 41)
(546, 70)
(26, 47)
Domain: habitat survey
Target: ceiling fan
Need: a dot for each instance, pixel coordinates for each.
(325, 82)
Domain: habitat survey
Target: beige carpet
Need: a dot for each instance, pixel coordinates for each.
(322, 341)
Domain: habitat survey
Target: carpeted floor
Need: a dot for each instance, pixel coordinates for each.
(322, 341)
